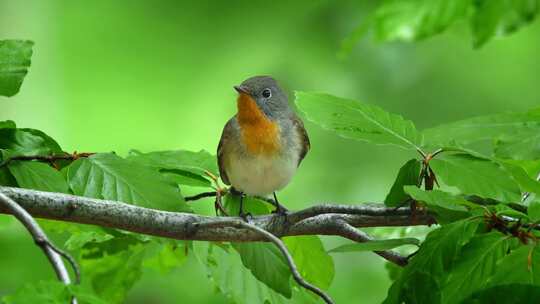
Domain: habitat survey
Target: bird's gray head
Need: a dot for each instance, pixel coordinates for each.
(267, 94)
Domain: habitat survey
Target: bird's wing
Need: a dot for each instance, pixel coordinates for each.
(304, 138)
(224, 145)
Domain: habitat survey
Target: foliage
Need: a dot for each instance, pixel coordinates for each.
(359, 121)
(470, 257)
(108, 176)
(407, 175)
(14, 62)
(39, 176)
(414, 20)
(455, 262)
(51, 292)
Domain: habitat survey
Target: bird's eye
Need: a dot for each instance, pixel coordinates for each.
(267, 93)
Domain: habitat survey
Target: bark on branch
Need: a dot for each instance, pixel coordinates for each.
(322, 219)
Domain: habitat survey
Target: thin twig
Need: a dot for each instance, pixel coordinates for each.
(422, 153)
(218, 206)
(70, 259)
(369, 209)
(283, 248)
(200, 196)
(437, 152)
(40, 238)
(47, 158)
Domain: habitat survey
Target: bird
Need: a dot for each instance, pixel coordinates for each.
(262, 146)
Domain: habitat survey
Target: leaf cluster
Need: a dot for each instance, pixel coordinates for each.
(486, 169)
(416, 20)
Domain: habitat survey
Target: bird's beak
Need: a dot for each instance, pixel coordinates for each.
(242, 89)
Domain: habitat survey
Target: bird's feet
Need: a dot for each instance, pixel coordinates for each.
(280, 210)
(246, 216)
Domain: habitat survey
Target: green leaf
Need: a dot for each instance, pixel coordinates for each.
(85, 296)
(500, 17)
(435, 256)
(477, 261)
(376, 245)
(534, 210)
(38, 176)
(15, 142)
(507, 210)
(507, 294)
(521, 266)
(411, 20)
(194, 162)
(186, 178)
(522, 146)
(483, 128)
(409, 174)
(166, 256)
(112, 276)
(78, 240)
(476, 176)
(531, 167)
(313, 262)
(526, 183)
(442, 245)
(267, 264)
(393, 270)
(360, 121)
(181, 166)
(103, 245)
(51, 292)
(235, 282)
(6, 178)
(448, 207)
(428, 293)
(486, 20)
(7, 124)
(14, 63)
(107, 176)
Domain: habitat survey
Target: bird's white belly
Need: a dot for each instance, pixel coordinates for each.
(261, 175)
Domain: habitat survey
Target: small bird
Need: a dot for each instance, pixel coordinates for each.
(261, 146)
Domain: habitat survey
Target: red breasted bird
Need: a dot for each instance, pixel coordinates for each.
(261, 146)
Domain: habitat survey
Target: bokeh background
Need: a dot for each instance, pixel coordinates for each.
(158, 75)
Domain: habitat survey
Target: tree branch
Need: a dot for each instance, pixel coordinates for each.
(320, 219)
(48, 158)
(40, 238)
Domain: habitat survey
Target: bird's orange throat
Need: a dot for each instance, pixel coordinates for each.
(259, 134)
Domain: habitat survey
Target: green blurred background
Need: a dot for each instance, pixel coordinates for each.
(158, 75)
